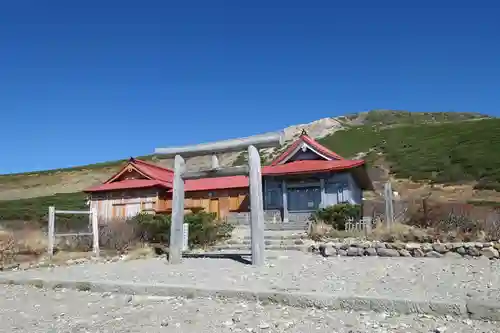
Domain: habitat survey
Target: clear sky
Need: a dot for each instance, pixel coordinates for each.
(89, 81)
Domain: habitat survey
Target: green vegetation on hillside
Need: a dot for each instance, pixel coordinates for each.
(397, 117)
(36, 209)
(450, 152)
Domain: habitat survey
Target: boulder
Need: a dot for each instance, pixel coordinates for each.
(404, 253)
(462, 251)
(473, 252)
(327, 250)
(490, 252)
(372, 252)
(387, 252)
(342, 253)
(418, 253)
(413, 246)
(439, 247)
(379, 245)
(354, 251)
(398, 246)
(426, 247)
(433, 254)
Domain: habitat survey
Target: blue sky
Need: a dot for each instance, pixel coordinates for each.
(90, 81)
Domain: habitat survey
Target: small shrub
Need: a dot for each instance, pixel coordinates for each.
(153, 228)
(204, 229)
(118, 235)
(7, 247)
(401, 233)
(337, 215)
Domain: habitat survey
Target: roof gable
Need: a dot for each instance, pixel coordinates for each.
(148, 170)
(302, 144)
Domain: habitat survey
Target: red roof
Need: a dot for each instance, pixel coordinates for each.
(216, 183)
(311, 142)
(310, 166)
(128, 184)
(163, 177)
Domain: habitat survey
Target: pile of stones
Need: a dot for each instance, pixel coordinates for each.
(488, 250)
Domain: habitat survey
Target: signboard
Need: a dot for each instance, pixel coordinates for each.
(185, 236)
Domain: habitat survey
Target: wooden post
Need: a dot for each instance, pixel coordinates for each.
(284, 200)
(51, 230)
(95, 231)
(389, 207)
(323, 193)
(176, 232)
(256, 207)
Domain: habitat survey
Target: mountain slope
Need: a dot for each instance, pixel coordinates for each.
(412, 143)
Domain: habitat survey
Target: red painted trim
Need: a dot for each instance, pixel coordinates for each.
(310, 141)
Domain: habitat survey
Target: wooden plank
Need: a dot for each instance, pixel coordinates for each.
(257, 208)
(225, 172)
(72, 212)
(95, 232)
(267, 140)
(176, 230)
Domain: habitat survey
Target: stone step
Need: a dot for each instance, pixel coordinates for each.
(241, 247)
(278, 236)
(273, 242)
(280, 226)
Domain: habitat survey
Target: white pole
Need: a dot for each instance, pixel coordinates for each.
(95, 231)
(175, 250)
(50, 230)
(256, 207)
(185, 236)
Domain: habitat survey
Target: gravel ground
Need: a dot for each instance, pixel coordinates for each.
(410, 278)
(32, 310)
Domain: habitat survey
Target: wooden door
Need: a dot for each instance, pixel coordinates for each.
(214, 206)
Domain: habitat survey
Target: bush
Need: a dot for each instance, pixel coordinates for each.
(204, 229)
(119, 235)
(337, 215)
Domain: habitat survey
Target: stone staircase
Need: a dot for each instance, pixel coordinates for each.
(277, 236)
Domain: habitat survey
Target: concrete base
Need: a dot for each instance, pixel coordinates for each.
(470, 307)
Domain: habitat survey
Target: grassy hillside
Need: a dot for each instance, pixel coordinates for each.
(449, 152)
(442, 147)
(36, 209)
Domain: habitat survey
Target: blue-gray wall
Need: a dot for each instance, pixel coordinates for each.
(339, 188)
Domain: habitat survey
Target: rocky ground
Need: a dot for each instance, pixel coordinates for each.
(389, 277)
(33, 310)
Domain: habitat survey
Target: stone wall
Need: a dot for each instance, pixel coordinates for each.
(352, 248)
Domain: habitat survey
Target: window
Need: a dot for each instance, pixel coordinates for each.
(273, 198)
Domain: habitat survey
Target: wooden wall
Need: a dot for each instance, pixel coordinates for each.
(119, 204)
(220, 202)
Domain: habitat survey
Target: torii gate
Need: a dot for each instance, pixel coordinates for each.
(253, 170)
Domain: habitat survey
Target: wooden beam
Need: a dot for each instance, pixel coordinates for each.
(256, 207)
(73, 212)
(267, 140)
(176, 229)
(224, 172)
